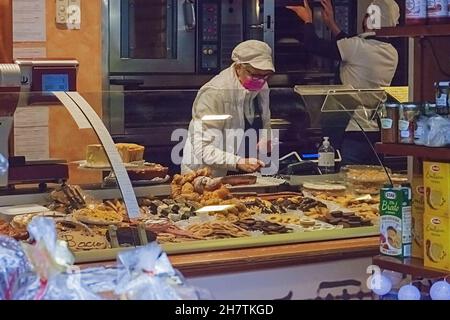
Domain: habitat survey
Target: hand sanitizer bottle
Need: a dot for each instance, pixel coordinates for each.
(326, 157)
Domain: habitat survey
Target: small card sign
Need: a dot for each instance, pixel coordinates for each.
(82, 241)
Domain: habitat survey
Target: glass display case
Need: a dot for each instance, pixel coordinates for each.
(109, 190)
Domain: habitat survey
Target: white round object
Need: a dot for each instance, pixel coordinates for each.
(440, 291)
(380, 284)
(409, 292)
(3, 165)
(395, 277)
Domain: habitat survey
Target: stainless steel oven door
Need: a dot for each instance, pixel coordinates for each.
(155, 36)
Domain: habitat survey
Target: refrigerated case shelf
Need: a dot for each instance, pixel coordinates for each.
(410, 266)
(415, 31)
(442, 154)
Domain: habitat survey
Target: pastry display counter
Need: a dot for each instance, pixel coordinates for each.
(212, 245)
(263, 222)
(266, 257)
(115, 198)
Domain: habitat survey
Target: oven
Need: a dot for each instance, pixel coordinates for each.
(198, 36)
(173, 36)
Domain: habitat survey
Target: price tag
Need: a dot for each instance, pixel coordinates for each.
(123, 180)
(399, 93)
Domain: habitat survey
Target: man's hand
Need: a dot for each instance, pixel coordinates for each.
(328, 16)
(304, 12)
(327, 12)
(250, 165)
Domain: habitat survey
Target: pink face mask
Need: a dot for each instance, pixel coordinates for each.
(254, 84)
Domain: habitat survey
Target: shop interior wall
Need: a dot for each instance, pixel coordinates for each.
(431, 64)
(5, 31)
(66, 140)
(85, 46)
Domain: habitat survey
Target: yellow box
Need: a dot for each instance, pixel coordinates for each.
(418, 210)
(417, 235)
(437, 188)
(437, 242)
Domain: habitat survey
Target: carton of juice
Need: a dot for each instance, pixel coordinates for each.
(437, 241)
(437, 188)
(418, 210)
(395, 222)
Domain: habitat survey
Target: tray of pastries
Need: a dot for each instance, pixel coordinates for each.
(98, 215)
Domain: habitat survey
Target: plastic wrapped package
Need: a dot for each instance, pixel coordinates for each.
(14, 267)
(438, 132)
(55, 277)
(44, 270)
(422, 131)
(101, 281)
(147, 274)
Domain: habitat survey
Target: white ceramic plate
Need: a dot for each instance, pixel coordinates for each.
(131, 165)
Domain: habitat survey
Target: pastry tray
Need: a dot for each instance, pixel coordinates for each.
(261, 182)
(237, 243)
(153, 181)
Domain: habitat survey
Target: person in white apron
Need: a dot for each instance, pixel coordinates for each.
(365, 63)
(228, 106)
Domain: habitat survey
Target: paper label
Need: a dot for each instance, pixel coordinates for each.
(403, 125)
(326, 159)
(386, 123)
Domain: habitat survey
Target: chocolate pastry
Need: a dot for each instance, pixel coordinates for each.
(354, 219)
(344, 224)
(354, 224)
(129, 236)
(334, 221)
(337, 214)
(264, 226)
(347, 214)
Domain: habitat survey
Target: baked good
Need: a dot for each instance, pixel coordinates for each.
(99, 215)
(148, 173)
(129, 152)
(67, 198)
(129, 236)
(240, 180)
(307, 222)
(96, 156)
(10, 231)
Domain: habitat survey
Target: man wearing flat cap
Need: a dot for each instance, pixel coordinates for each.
(234, 101)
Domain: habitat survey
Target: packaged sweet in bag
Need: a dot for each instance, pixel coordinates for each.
(54, 275)
(147, 274)
(14, 267)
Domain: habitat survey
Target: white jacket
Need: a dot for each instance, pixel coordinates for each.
(223, 95)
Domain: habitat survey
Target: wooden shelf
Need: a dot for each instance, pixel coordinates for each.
(435, 154)
(415, 31)
(411, 266)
